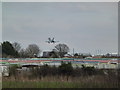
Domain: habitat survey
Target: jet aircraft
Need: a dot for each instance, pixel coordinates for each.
(51, 40)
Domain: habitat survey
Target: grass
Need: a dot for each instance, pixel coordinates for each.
(61, 82)
(52, 77)
(16, 84)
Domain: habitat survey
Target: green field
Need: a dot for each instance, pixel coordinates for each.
(62, 82)
(16, 84)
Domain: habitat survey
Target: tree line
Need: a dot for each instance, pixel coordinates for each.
(14, 50)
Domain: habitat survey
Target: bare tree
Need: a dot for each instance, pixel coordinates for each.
(62, 49)
(22, 53)
(16, 46)
(32, 50)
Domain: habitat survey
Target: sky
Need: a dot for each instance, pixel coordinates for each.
(88, 27)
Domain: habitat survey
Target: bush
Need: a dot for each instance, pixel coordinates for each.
(13, 70)
(66, 68)
(88, 70)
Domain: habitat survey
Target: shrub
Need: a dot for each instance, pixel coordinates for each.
(88, 70)
(65, 68)
(13, 70)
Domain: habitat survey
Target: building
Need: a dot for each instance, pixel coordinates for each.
(113, 54)
(46, 54)
(52, 54)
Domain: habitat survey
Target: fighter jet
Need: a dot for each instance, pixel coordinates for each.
(51, 40)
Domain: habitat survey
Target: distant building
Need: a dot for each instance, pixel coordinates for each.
(67, 56)
(46, 54)
(113, 54)
(85, 54)
(50, 54)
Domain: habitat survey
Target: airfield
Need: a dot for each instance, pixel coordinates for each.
(99, 63)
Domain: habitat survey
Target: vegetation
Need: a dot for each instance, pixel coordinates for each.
(32, 50)
(8, 50)
(16, 46)
(64, 76)
(62, 49)
(14, 50)
(49, 82)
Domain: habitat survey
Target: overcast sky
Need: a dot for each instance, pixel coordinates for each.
(86, 27)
